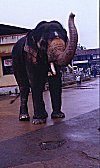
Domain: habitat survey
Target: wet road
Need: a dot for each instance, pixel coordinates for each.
(75, 101)
(22, 144)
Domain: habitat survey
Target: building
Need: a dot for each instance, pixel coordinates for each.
(9, 35)
(87, 58)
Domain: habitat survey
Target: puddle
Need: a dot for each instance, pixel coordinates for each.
(49, 145)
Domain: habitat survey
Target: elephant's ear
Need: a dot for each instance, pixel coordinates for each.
(30, 46)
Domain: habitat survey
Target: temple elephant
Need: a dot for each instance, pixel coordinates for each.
(38, 57)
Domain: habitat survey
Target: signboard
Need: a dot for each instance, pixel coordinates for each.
(7, 62)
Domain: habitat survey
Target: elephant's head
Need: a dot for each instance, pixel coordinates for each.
(50, 39)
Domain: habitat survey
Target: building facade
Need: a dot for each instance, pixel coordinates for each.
(87, 58)
(9, 35)
(6, 72)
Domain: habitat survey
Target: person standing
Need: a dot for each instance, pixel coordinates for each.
(94, 71)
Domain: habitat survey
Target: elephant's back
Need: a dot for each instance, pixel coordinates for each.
(18, 56)
(18, 47)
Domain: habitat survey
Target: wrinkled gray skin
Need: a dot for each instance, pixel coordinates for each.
(32, 54)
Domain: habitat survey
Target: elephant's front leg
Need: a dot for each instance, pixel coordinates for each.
(40, 113)
(37, 81)
(55, 87)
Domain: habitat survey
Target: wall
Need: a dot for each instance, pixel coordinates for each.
(7, 80)
(6, 44)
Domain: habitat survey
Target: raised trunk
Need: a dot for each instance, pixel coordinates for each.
(64, 58)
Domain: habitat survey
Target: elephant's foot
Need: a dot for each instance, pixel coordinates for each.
(55, 115)
(24, 117)
(39, 121)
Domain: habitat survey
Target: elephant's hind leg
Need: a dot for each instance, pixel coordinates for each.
(24, 92)
(24, 88)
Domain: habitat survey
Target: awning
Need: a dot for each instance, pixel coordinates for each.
(80, 62)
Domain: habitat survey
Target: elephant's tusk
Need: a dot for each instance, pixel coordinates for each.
(70, 67)
(53, 68)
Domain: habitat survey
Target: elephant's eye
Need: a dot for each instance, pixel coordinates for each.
(43, 43)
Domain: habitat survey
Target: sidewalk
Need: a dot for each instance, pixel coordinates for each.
(9, 88)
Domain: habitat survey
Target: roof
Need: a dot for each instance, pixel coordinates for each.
(7, 30)
(88, 52)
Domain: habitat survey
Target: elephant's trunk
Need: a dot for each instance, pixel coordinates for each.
(68, 54)
(62, 55)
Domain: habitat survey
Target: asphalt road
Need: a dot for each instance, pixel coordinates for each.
(68, 143)
(77, 100)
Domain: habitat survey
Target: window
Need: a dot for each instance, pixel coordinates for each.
(75, 58)
(88, 57)
(98, 56)
(7, 65)
(94, 56)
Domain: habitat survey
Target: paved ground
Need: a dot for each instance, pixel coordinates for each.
(69, 143)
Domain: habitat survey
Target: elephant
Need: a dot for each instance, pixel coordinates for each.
(38, 57)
